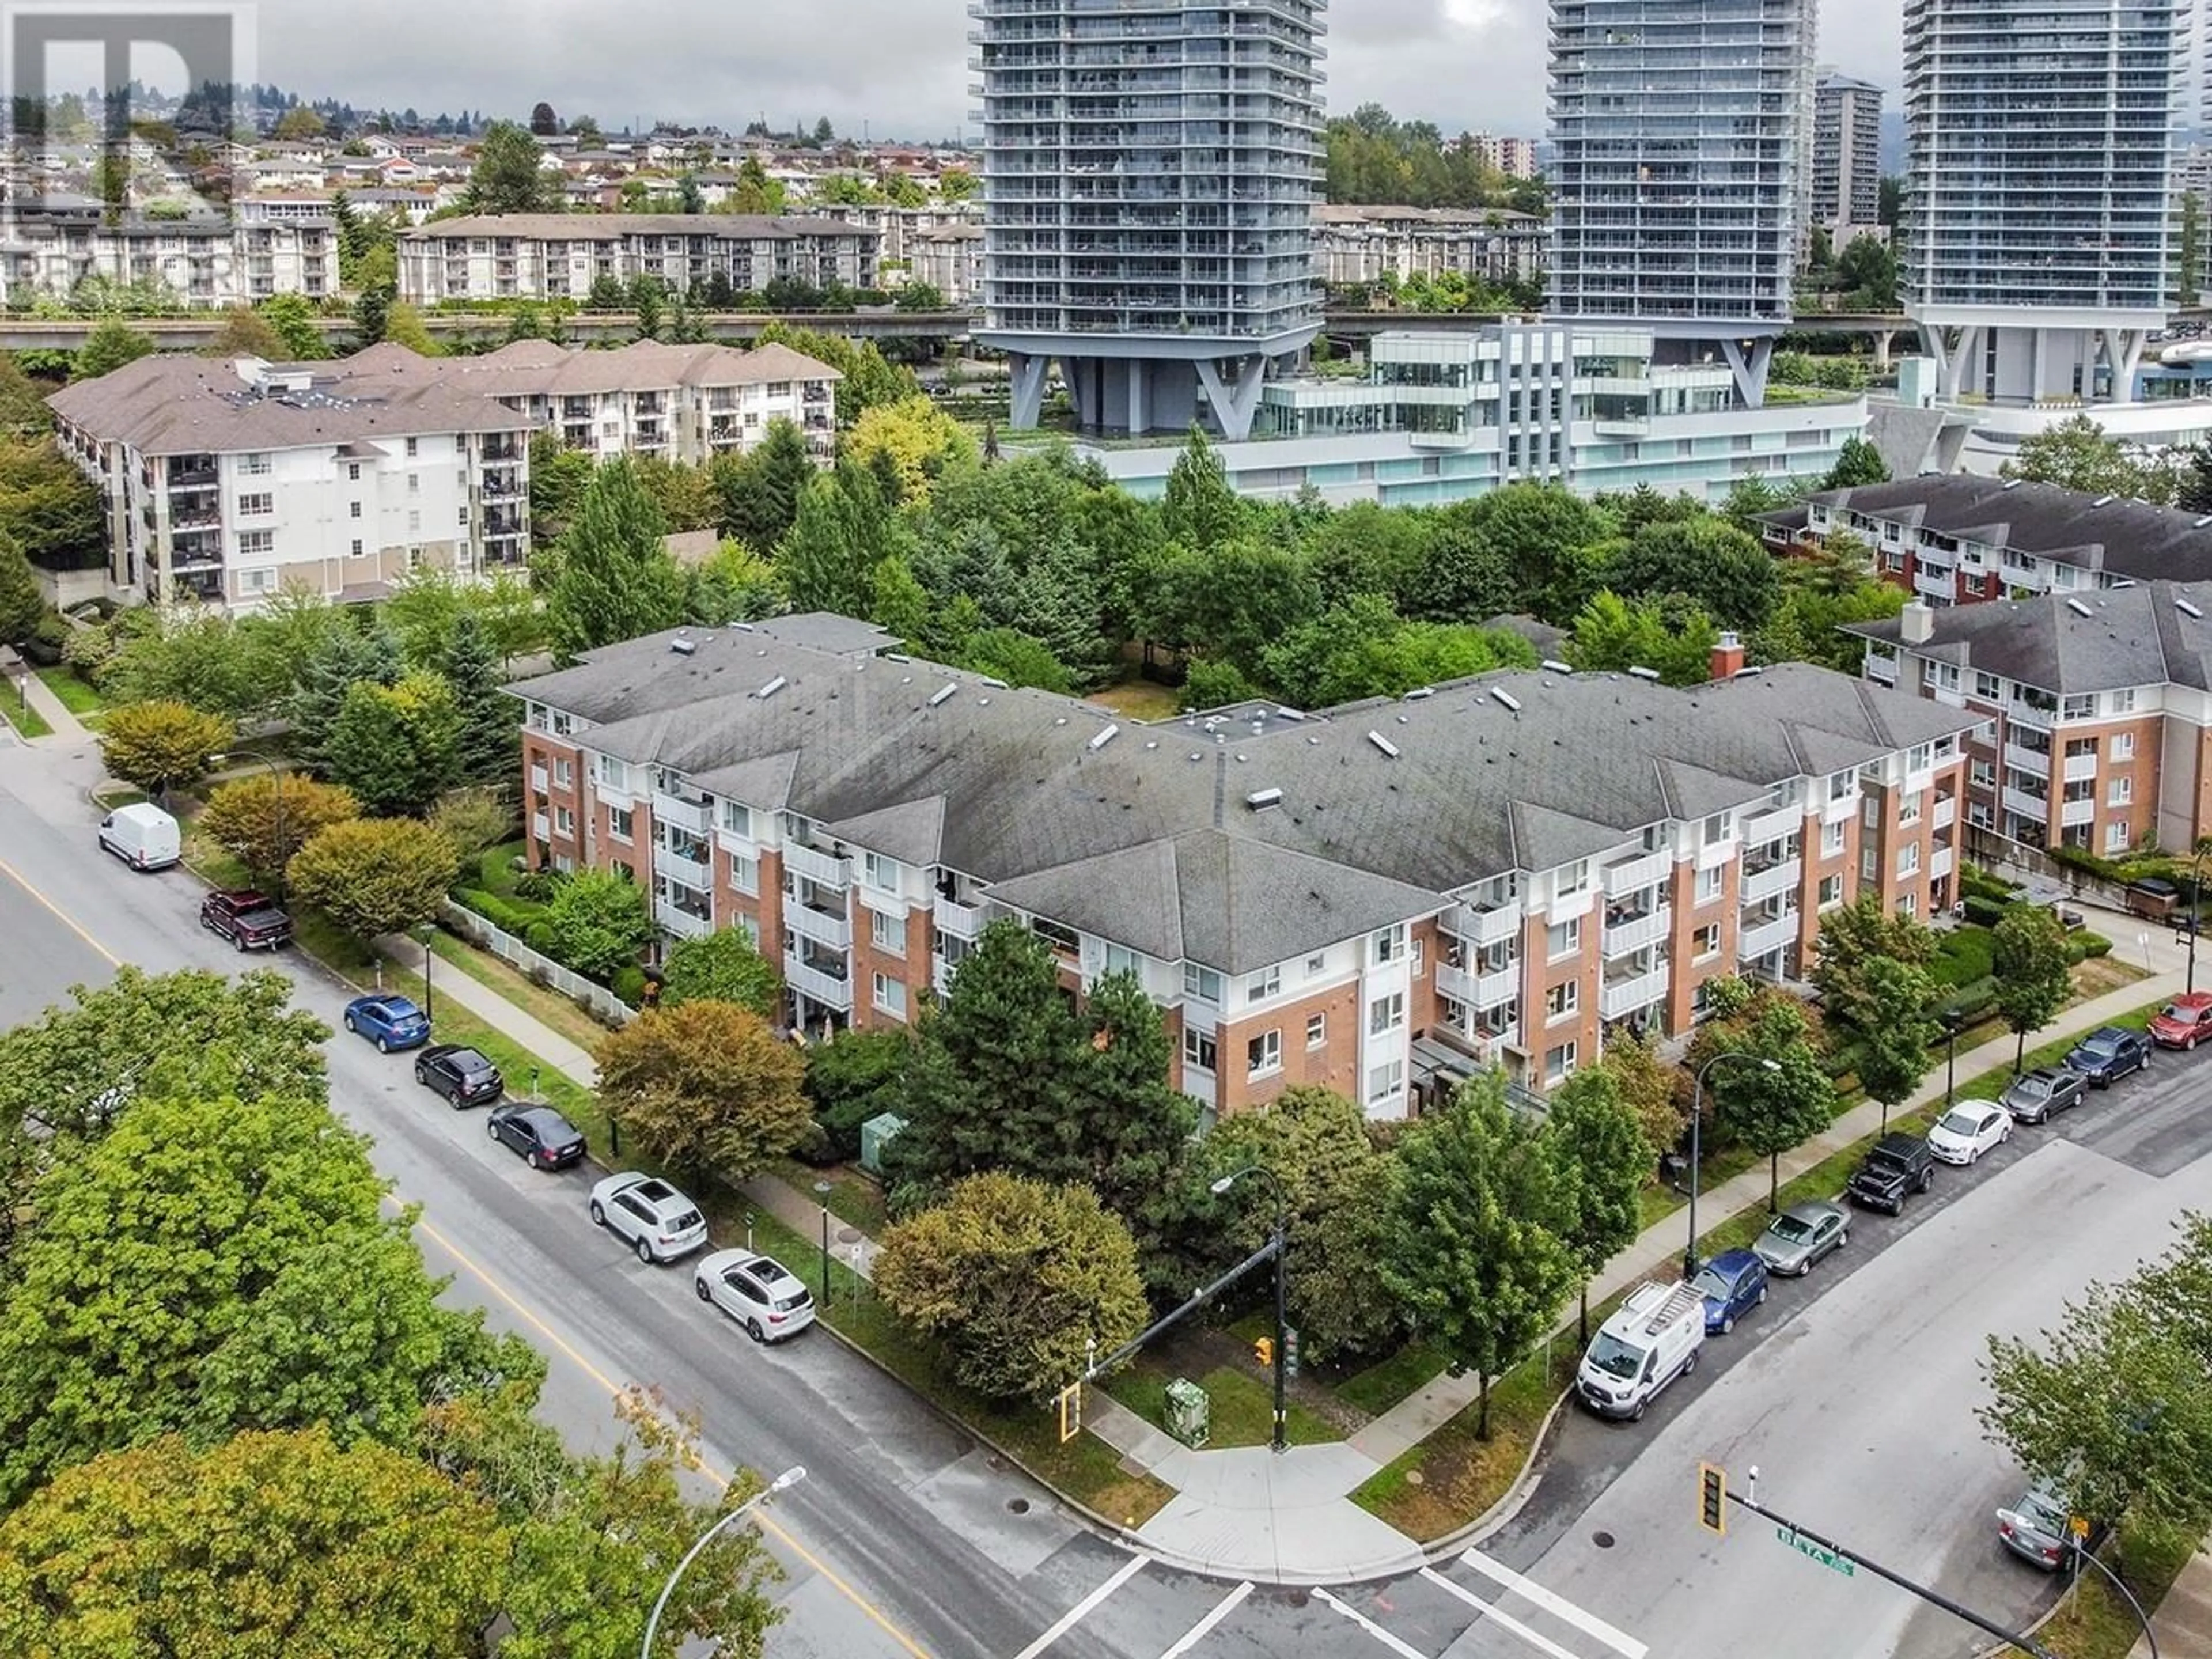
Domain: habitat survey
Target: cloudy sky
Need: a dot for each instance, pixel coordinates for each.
(899, 65)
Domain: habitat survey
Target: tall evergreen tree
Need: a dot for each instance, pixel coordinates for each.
(344, 656)
(487, 746)
(1129, 1128)
(21, 604)
(827, 562)
(759, 491)
(1200, 509)
(613, 577)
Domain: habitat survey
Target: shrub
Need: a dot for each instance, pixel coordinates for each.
(534, 886)
(2094, 945)
(1983, 913)
(630, 983)
(539, 936)
(1962, 956)
(600, 923)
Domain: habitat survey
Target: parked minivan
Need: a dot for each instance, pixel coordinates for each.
(143, 835)
(1651, 1339)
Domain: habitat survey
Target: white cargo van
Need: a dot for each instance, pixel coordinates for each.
(1651, 1339)
(143, 835)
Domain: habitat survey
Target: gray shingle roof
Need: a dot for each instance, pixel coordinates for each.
(2128, 636)
(613, 226)
(2110, 535)
(539, 368)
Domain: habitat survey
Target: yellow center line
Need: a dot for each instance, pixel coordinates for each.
(60, 914)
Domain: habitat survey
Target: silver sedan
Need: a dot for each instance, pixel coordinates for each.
(1800, 1235)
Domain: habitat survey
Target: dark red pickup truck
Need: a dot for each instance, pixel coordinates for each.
(250, 921)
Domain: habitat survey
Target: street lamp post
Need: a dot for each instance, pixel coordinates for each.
(429, 932)
(1696, 1138)
(790, 1477)
(1278, 1243)
(1953, 1021)
(2081, 1554)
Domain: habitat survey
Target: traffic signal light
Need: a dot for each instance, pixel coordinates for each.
(1263, 1351)
(1290, 1351)
(1712, 1499)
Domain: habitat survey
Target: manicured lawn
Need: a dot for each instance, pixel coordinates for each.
(1453, 1477)
(1240, 1407)
(78, 696)
(27, 721)
(2093, 1622)
(1140, 699)
(547, 1007)
(852, 1198)
(1384, 1385)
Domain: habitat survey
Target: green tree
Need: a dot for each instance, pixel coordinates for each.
(723, 966)
(293, 318)
(759, 490)
(1200, 509)
(22, 606)
(1892, 1055)
(1014, 1278)
(1852, 938)
(50, 510)
(733, 585)
(397, 746)
(1867, 270)
(1857, 463)
(1615, 634)
(613, 578)
(422, 611)
(287, 1297)
(1477, 1246)
(558, 477)
(828, 561)
(1128, 1129)
(23, 411)
(375, 876)
(110, 344)
(2028, 954)
(268, 1543)
(1770, 1109)
(1648, 1084)
(245, 333)
(2077, 454)
(707, 1086)
(341, 657)
(74, 1070)
(487, 743)
(1363, 649)
(1230, 602)
(264, 819)
(158, 745)
(916, 438)
(1593, 1133)
(599, 922)
(856, 1075)
(509, 176)
(1724, 572)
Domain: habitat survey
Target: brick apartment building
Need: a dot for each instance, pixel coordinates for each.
(1373, 897)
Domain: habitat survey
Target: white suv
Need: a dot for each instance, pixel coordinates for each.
(659, 1222)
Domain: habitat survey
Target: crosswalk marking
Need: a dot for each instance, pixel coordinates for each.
(1504, 1621)
(1197, 1632)
(1402, 1650)
(1558, 1606)
(1081, 1610)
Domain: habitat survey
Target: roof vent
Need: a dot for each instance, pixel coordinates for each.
(2104, 500)
(2079, 609)
(744, 628)
(1420, 692)
(1506, 699)
(2188, 610)
(941, 693)
(1746, 673)
(2010, 483)
(999, 685)
(1288, 714)
(1261, 799)
(772, 687)
(683, 647)
(896, 656)
(1102, 738)
(1557, 667)
(1389, 749)
(1645, 673)
(2201, 522)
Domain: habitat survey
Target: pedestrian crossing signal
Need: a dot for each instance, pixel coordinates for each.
(1712, 1499)
(1263, 1351)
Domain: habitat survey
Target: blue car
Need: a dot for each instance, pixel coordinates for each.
(389, 1022)
(1733, 1283)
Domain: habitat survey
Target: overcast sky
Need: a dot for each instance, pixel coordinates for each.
(898, 65)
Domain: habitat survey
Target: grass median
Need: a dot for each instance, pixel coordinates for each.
(2092, 1621)
(27, 721)
(73, 694)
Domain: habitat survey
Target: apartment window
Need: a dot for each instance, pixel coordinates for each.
(2124, 700)
(745, 873)
(260, 503)
(620, 822)
(2123, 746)
(2116, 836)
(1715, 830)
(1831, 890)
(564, 772)
(738, 819)
(1870, 864)
(2122, 793)
(1263, 1055)
(889, 996)
(2081, 706)
(412, 446)
(1389, 944)
(880, 871)
(1559, 1063)
(353, 509)
(1259, 986)
(1706, 941)
(414, 483)
(353, 471)
(1120, 959)
(461, 513)
(1840, 785)
(251, 542)
(1988, 687)
(1832, 840)
(1199, 1050)
(1908, 858)
(1420, 958)
(1871, 816)
(613, 773)
(254, 466)
(1316, 965)
(887, 934)
(564, 821)
(1710, 884)
(1563, 939)
(1316, 1030)
(1387, 1081)
(414, 527)
(353, 549)
(1946, 677)
(1202, 983)
(1908, 809)
(1982, 774)
(1386, 1014)
(1908, 905)
(256, 581)
(1571, 879)
(1563, 999)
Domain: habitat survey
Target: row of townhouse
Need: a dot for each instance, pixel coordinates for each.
(230, 481)
(2092, 710)
(1355, 243)
(1952, 540)
(205, 263)
(1377, 898)
(542, 256)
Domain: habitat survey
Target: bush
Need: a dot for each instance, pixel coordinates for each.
(2094, 945)
(535, 886)
(1972, 1003)
(1983, 913)
(630, 983)
(1974, 882)
(539, 936)
(507, 918)
(1963, 955)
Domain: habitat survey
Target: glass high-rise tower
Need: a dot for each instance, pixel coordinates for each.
(2039, 238)
(1150, 173)
(1681, 134)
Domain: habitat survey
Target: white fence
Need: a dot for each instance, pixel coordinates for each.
(590, 995)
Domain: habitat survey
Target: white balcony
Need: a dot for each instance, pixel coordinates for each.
(1762, 940)
(823, 926)
(2073, 812)
(1777, 825)
(941, 977)
(1881, 670)
(677, 867)
(538, 780)
(539, 826)
(1618, 999)
(1762, 885)
(2035, 760)
(2036, 807)
(821, 868)
(825, 989)
(681, 923)
(1939, 863)
(693, 815)
(1637, 931)
(959, 920)
(1937, 584)
(1474, 990)
(2080, 768)
(1492, 927)
(1947, 811)
(1633, 875)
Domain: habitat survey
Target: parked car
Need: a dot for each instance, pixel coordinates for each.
(143, 835)
(1733, 1283)
(758, 1292)
(2108, 1053)
(1969, 1129)
(2035, 1096)
(2038, 1528)
(659, 1222)
(250, 921)
(539, 1135)
(2068, 918)
(1899, 1165)
(464, 1076)
(389, 1022)
(1652, 1339)
(1800, 1235)
(2184, 1022)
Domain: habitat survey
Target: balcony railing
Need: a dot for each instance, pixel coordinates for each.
(2037, 761)
(1765, 884)
(1638, 872)
(825, 989)
(1618, 998)
(823, 869)
(684, 924)
(1634, 932)
(1492, 927)
(1947, 811)
(1940, 860)
(2073, 812)
(539, 829)
(2036, 807)
(960, 920)
(828, 928)
(2080, 768)
(538, 781)
(681, 867)
(1767, 937)
(1782, 821)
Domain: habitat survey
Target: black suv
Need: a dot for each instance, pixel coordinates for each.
(464, 1076)
(1898, 1165)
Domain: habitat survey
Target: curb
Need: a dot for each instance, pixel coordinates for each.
(1501, 1515)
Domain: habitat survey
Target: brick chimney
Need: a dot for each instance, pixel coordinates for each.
(1728, 656)
(1916, 622)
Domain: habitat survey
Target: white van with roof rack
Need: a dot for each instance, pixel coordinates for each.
(1651, 1339)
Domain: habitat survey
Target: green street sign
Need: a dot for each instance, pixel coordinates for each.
(1813, 1551)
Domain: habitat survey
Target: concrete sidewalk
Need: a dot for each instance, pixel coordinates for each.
(68, 729)
(2183, 1621)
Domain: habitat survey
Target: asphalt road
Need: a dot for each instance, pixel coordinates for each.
(905, 1539)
